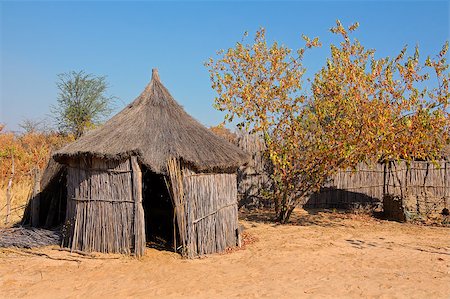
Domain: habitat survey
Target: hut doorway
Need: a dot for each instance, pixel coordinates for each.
(53, 202)
(160, 229)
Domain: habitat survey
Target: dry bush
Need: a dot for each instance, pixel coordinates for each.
(223, 132)
(29, 150)
(20, 192)
(26, 152)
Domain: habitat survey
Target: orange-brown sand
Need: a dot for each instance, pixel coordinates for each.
(327, 255)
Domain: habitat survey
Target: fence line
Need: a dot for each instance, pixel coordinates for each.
(427, 182)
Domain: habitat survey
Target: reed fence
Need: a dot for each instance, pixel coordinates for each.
(254, 179)
(416, 188)
(424, 187)
(349, 187)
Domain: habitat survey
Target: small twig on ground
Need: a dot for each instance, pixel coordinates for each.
(87, 255)
(29, 252)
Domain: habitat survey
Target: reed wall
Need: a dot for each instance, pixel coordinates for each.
(205, 208)
(102, 208)
(211, 211)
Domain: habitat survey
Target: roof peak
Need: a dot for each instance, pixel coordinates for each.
(155, 75)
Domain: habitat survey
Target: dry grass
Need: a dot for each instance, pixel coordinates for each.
(20, 194)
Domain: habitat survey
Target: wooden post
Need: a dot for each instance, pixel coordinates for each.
(35, 198)
(384, 179)
(175, 185)
(9, 191)
(446, 185)
(139, 221)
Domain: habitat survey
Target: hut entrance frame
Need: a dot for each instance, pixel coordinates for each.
(161, 229)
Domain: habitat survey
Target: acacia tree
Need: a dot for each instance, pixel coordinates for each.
(82, 102)
(358, 108)
(30, 125)
(260, 85)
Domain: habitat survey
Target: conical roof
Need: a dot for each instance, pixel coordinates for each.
(154, 127)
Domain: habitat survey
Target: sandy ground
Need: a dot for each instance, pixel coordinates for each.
(319, 256)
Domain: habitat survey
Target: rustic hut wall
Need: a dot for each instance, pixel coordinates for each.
(254, 178)
(211, 212)
(417, 188)
(348, 187)
(206, 210)
(104, 211)
(55, 196)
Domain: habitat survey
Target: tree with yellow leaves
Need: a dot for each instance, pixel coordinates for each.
(358, 108)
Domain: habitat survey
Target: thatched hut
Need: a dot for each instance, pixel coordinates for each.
(151, 173)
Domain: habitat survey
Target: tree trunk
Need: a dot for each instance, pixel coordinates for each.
(285, 214)
(277, 206)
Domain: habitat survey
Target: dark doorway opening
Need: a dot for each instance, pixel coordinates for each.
(52, 202)
(160, 228)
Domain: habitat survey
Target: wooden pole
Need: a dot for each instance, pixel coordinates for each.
(139, 221)
(9, 191)
(175, 185)
(35, 198)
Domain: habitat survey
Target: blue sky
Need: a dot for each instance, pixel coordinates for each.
(125, 40)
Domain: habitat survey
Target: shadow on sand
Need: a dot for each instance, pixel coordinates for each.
(328, 209)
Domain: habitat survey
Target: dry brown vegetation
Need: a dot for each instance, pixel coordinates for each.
(224, 132)
(320, 255)
(20, 193)
(28, 151)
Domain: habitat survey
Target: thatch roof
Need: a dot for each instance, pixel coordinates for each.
(154, 127)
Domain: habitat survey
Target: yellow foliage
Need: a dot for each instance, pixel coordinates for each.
(358, 108)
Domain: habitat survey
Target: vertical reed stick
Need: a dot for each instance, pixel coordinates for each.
(139, 222)
(35, 200)
(175, 185)
(9, 189)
